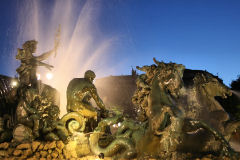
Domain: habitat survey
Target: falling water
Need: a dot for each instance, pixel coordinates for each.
(82, 46)
(236, 93)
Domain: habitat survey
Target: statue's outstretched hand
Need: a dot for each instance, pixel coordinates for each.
(50, 67)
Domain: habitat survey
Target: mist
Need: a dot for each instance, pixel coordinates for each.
(82, 47)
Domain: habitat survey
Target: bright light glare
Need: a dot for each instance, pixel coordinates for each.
(114, 125)
(14, 83)
(38, 76)
(49, 76)
(119, 124)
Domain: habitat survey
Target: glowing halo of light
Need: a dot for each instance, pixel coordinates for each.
(38, 76)
(14, 83)
(49, 75)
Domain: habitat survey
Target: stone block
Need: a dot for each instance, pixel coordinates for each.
(35, 145)
(10, 150)
(43, 154)
(49, 151)
(54, 154)
(60, 145)
(46, 147)
(49, 157)
(52, 145)
(4, 145)
(40, 147)
(17, 152)
(3, 153)
(24, 146)
(58, 150)
(27, 153)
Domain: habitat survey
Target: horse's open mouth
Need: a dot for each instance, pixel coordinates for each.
(195, 131)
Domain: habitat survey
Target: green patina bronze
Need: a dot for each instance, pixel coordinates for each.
(53, 128)
(79, 93)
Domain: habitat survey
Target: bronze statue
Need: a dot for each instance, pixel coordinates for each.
(28, 112)
(150, 71)
(181, 108)
(53, 129)
(29, 63)
(31, 105)
(5, 128)
(140, 97)
(178, 113)
(79, 93)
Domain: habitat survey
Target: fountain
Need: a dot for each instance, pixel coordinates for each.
(79, 49)
(181, 117)
(181, 113)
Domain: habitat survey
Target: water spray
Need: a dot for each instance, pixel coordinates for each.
(237, 93)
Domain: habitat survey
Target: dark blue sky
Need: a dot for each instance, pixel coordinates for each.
(201, 34)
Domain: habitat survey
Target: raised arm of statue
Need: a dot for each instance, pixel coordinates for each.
(38, 63)
(45, 55)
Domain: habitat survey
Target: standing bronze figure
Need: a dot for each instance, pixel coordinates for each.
(29, 62)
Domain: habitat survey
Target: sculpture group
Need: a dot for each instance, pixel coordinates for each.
(39, 114)
(176, 112)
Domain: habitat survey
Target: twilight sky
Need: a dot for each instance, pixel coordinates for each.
(114, 35)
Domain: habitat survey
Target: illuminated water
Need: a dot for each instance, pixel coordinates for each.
(236, 93)
(82, 45)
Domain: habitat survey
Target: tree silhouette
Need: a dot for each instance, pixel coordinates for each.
(235, 84)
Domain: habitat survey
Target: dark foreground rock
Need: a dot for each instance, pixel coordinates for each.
(57, 150)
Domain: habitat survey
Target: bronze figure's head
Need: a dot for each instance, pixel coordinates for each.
(30, 46)
(90, 75)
